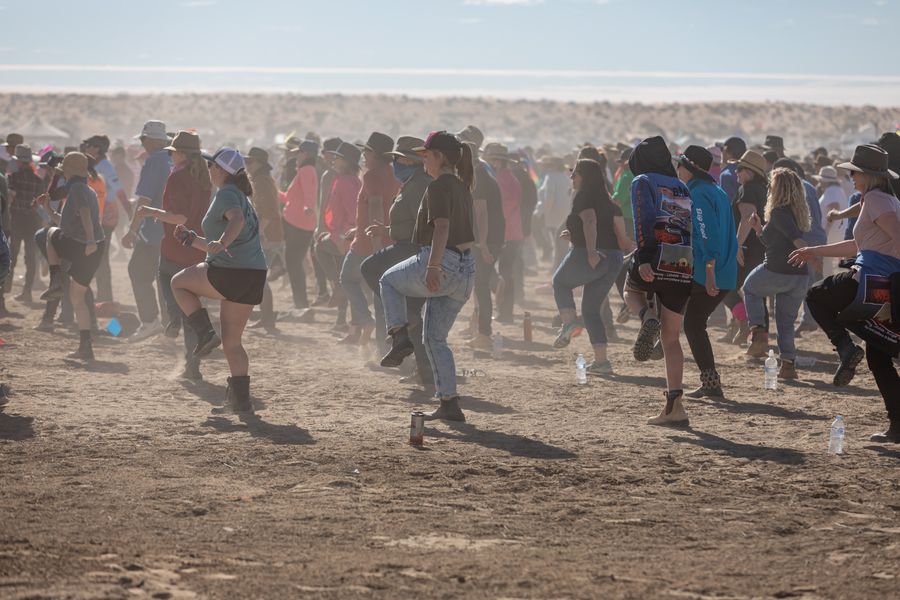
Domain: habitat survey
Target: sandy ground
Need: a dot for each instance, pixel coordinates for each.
(118, 483)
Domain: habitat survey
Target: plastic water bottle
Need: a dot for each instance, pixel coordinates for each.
(836, 437)
(771, 382)
(580, 370)
(497, 351)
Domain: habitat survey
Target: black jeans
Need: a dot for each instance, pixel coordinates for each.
(331, 263)
(24, 224)
(826, 300)
(372, 269)
(143, 269)
(484, 272)
(700, 306)
(66, 314)
(167, 270)
(509, 257)
(103, 277)
(296, 245)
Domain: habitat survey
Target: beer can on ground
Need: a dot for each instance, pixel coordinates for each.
(417, 429)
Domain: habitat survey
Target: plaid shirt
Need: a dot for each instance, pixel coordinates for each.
(27, 186)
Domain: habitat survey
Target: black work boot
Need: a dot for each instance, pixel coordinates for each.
(191, 370)
(207, 338)
(448, 411)
(55, 290)
(401, 347)
(237, 396)
(851, 355)
(85, 347)
(710, 385)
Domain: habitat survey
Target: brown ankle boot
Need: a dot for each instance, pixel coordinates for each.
(673, 414)
(787, 370)
(759, 344)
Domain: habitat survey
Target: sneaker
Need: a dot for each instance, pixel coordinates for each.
(566, 333)
(624, 315)
(599, 369)
(146, 330)
(890, 436)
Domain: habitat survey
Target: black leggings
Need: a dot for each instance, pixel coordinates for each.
(509, 257)
(700, 306)
(826, 300)
(296, 245)
(483, 273)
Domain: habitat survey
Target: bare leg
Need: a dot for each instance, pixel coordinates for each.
(636, 301)
(671, 343)
(191, 284)
(52, 255)
(233, 317)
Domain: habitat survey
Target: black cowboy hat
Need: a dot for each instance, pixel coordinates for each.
(379, 143)
(774, 142)
(870, 159)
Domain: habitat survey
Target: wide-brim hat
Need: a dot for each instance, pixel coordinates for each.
(870, 159)
(406, 147)
(347, 151)
(471, 135)
(23, 153)
(311, 147)
(259, 156)
(497, 151)
(379, 143)
(98, 141)
(827, 174)
(291, 143)
(75, 164)
(14, 139)
(185, 141)
(153, 130)
(751, 160)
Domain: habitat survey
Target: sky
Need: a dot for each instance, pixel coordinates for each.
(820, 51)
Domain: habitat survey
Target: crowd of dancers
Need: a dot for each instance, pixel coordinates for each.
(401, 233)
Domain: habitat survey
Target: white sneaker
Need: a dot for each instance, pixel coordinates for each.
(145, 331)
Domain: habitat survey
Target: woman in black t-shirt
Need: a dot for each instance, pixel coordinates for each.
(596, 229)
(443, 271)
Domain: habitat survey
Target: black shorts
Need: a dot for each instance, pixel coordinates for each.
(242, 286)
(82, 267)
(671, 294)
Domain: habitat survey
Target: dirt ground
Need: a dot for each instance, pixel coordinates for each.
(116, 482)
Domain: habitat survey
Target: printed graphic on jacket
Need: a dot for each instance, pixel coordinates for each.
(675, 260)
(872, 316)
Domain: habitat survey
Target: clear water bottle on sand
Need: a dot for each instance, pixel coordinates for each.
(771, 372)
(836, 437)
(580, 370)
(497, 349)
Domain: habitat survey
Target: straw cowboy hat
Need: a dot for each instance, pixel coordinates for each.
(753, 161)
(185, 141)
(827, 174)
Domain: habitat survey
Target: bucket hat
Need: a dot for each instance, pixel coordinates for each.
(753, 161)
(185, 141)
(153, 130)
(406, 145)
(870, 159)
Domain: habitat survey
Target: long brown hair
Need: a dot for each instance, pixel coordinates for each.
(786, 189)
(463, 164)
(199, 171)
(241, 181)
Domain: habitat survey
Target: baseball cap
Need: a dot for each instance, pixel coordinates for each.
(229, 159)
(442, 141)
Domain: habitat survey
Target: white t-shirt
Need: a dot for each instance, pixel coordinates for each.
(833, 195)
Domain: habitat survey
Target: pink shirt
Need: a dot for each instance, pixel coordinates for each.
(300, 199)
(867, 233)
(511, 196)
(340, 212)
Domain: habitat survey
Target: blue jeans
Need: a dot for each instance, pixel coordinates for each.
(372, 269)
(352, 282)
(441, 307)
(575, 271)
(789, 292)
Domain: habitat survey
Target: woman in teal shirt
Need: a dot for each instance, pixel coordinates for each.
(714, 245)
(234, 272)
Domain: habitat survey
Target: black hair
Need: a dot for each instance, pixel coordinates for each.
(593, 179)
